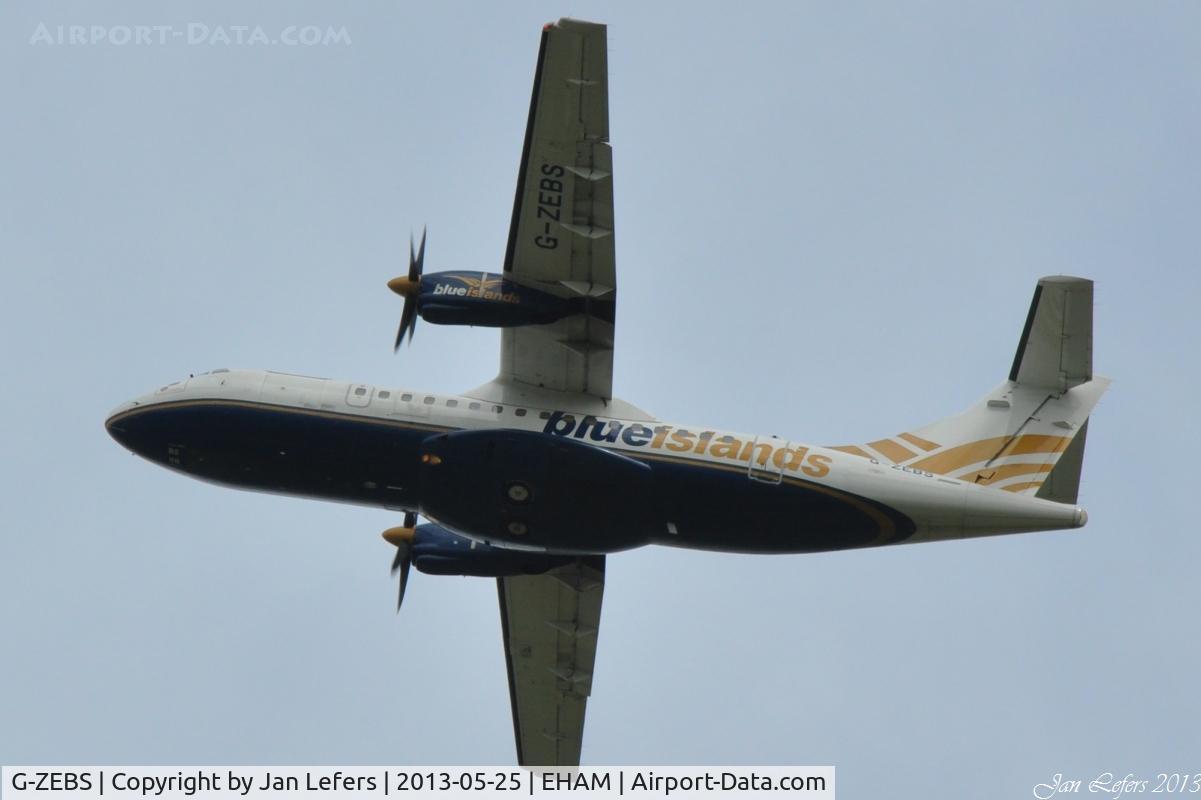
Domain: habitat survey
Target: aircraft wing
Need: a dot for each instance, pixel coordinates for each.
(561, 234)
(550, 623)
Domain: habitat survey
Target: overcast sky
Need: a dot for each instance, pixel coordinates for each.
(829, 221)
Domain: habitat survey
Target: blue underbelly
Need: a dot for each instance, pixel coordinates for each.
(371, 461)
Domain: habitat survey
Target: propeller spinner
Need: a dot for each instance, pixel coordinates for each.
(409, 287)
(402, 539)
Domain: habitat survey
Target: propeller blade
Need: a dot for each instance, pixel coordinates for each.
(402, 539)
(404, 581)
(410, 288)
(402, 554)
(416, 265)
(407, 318)
(401, 564)
(400, 334)
(412, 324)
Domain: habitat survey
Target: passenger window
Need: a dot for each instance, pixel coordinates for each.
(406, 397)
(520, 412)
(474, 406)
(384, 394)
(498, 409)
(452, 403)
(543, 415)
(359, 391)
(429, 401)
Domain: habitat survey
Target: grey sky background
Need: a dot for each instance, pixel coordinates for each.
(830, 219)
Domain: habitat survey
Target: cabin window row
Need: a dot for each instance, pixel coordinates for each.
(429, 400)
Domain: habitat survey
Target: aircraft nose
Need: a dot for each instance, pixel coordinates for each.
(122, 425)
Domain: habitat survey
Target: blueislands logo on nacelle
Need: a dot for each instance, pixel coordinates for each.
(480, 287)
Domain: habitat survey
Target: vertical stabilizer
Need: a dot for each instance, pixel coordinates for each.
(1056, 348)
(1026, 436)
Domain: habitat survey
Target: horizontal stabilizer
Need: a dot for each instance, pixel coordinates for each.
(1056, 348)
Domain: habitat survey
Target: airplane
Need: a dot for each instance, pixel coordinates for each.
(536, 476)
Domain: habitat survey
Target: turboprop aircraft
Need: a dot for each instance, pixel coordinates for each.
(534, 477)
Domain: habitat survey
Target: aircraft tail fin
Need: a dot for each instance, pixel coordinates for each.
(1026, 436)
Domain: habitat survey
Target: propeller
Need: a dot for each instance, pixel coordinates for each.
(402, 539)
(408, 288)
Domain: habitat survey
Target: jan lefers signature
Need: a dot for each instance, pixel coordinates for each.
(1111, 786)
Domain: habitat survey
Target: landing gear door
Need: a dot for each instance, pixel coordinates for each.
(766, 463)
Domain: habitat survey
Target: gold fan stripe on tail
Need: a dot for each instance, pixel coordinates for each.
(984, 477)
(1038, 443)
(853, 450)
(986, 449)
(925, 444)
(892, 451)
(962, 455)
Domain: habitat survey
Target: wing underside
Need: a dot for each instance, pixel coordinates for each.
(561, 242)
(549, 625)
(561, 234)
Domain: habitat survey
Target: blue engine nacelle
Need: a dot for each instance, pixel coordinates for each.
(494, 301)
(437, 551)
